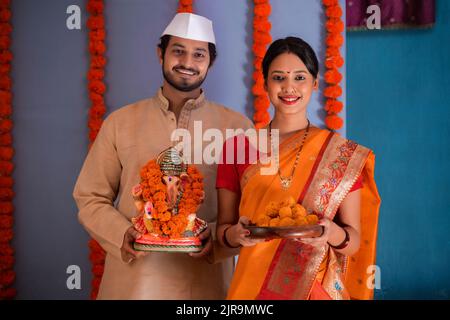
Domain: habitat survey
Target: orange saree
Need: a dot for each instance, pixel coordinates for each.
(285, 269)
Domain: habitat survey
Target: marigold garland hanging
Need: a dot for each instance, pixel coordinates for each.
(97, 88)
(7, 275)
(261, 39)
(334, 40)
(185, 6)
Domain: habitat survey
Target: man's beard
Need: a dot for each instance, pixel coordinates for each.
(182, 85)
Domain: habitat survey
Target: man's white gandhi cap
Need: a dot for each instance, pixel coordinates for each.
(191, 26)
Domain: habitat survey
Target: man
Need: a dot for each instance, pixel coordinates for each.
(128, 139)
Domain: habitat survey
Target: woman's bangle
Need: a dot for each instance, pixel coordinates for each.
(225, 240)
(344, 243)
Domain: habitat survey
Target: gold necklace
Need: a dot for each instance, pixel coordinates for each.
(286, 181)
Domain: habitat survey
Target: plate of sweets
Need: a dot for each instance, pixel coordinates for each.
(285, 220)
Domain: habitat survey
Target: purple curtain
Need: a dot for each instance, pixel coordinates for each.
(394, 13)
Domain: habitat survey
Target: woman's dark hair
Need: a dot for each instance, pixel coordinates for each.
(164, 42)
(291, 45)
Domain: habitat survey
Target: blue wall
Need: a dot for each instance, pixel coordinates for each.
(51, 108)
(398, 105)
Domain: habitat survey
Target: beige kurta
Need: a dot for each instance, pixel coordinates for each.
(128, 139)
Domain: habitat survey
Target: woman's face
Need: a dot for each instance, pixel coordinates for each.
(290, 84)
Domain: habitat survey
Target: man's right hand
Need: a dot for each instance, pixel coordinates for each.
(127, 251)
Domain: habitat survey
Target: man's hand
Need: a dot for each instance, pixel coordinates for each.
(206, 239)
(128, 253)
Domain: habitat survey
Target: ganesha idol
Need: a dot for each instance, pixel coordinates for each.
(167, 199)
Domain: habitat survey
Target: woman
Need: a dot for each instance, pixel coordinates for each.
(329, 175)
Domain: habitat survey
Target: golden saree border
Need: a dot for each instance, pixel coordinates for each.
(292, 271)
(295, 265)
(340, 167)
(333, 281)
(337, 171)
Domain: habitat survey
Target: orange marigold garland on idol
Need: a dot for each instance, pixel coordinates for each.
(261, 38)
(7, 274)
(97, 89)
(166, 200)
(185, 6)
(334, 61)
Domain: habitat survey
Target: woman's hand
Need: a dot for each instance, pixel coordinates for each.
(324, 238)
(239, 235)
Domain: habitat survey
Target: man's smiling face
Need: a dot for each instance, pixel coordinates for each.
(185, 63)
